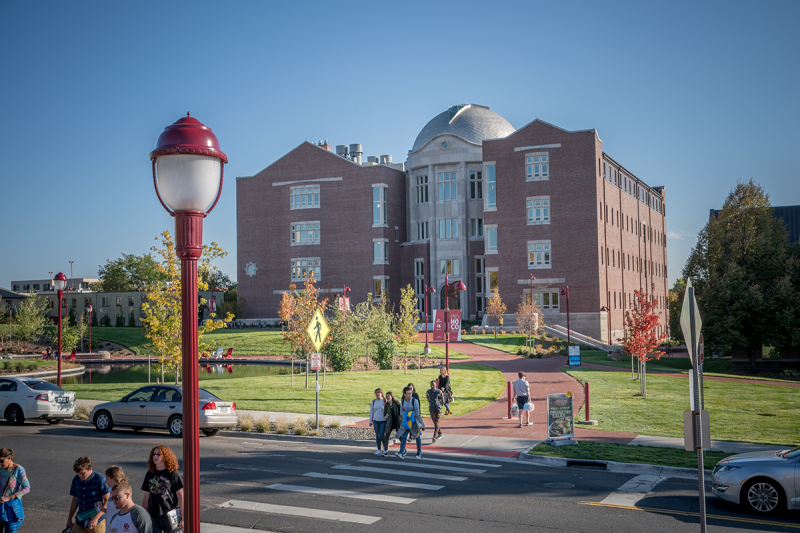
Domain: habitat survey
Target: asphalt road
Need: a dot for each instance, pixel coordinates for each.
(264, 485)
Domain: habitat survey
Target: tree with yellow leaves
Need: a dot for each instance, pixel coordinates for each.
(161, 320)
(495, 308)
(297, 309)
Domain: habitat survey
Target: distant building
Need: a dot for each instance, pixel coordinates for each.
(44, 285)
(790, 215)
(475, 200)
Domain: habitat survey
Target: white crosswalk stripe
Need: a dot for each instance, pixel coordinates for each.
(376, 481)
(414, 464)
(299, 511)
(219, 528)
(343, 493)
(437, 460)
(395, 472)
(634, 490)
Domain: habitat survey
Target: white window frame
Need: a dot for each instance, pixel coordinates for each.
(545, 260)
(423, 231)
(447, 186)
(451, 267)
(380, 204)
(296, 263)
(490, 188)
(384, 287)
(475, 185)
(309, 198)
(537, 166)
(490, 230)
(380, 251)
(314, 231)
(543, 208)
(448, 228)
(489, 271)
(476, 228)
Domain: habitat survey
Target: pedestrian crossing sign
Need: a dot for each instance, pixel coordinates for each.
(317, 330)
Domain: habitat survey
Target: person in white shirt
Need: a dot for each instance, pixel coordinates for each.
(129, 518)
(522, 390)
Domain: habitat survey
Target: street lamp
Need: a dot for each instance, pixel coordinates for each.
(427, 299)
(59, 282)
(459, 286)
(188, 169)
(90, 327)
(565, 292)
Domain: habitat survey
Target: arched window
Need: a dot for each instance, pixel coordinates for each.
(453, 299)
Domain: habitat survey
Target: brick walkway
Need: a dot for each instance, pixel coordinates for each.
(545, 377)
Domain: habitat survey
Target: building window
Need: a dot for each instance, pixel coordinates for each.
(74, 302)
(87, 302)
(419, 282)
(422, 189)
(16, 288)
(538, 254)
(449, 267)
(50, 304)
(491, 240)
(380, 286)
(304, 233)
(379, 205)
(380, 253)
(130, 301)
(303, 266)
(423, 231)
(546, 301)
(447, 186)
(396, 234)
(36, 287)
(480, 285)
(119, 300)
(104, 301)
(63, 303)
(46, 287)
(475, 185)
(536, 167)
(476, 227)
(448, 228)
(491, 188)
(494, 280)
(26, 287)
(539, 210)
(304, 197)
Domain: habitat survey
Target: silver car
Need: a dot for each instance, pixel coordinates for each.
(159, 406)
(22, 398)
(762, 481)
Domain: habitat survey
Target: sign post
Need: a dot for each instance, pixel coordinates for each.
(691, 324)
(317, 332)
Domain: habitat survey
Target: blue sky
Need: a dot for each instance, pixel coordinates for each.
(693, 96)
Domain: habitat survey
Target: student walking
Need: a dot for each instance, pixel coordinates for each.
(114, 475)
(13, 486)
(522, 390)
(411, 423)
(391, 414)
(444, 386)
(89, 493)
(129, 517)
(163, 488)
(435, 406)
(413, 392)
(377, 420)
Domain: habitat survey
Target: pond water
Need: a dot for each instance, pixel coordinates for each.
(138, 373)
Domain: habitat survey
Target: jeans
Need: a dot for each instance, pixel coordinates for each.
(446, 407)
(379, 426)
(403, 440)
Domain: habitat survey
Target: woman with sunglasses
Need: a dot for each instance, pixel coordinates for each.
(163, 488)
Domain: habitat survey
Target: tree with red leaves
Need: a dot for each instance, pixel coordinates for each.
(641, 341)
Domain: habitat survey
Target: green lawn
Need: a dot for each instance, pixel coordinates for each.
(245, 342)
(9, 366)
(665, 364)
(345, 393)
(622, 453)
(764, 414)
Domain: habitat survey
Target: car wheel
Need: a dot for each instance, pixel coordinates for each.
(763, 496)
(175, 426)
(14, 415)
(210, 432)
(103, 421)
(54, 421)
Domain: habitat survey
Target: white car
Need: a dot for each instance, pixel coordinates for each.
(22, 398)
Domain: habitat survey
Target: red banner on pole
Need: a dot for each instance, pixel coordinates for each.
(438, 326)
(455, 325)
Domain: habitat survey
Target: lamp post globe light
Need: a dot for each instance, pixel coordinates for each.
(459, 286)
(59, 283)
(188, 168)
(427, 299)
(565, 292)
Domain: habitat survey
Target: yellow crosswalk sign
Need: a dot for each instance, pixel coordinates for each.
(317, 330)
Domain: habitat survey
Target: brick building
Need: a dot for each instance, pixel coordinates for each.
(477, 200)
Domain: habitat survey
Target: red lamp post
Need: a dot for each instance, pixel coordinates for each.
(345, 288)
(565, 292)
(427, 299)
(59, 282)
(90, 327)
(188, 169)
(459, 286)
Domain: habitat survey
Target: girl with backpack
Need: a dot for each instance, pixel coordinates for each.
(411, 424)
(391, 414)
(376, 419)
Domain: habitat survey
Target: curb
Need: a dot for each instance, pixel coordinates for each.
(613, 466)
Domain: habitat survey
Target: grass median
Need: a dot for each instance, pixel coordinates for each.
(345, 393)
(742, 412)
(622, 453)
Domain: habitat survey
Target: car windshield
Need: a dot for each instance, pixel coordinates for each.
(790, 454)
(37, 384)
(205, 395)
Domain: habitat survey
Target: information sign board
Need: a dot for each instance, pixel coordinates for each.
(560, 416)
(574, 356)
(315, 361)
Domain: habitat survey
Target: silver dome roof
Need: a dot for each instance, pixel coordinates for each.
(470, 122)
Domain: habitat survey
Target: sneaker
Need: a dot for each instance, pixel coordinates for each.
(419, 456)
(378, 452)
(519, 426)
(385, 453)
(440, 435)
(433, 441)
(529, 424)
(400, 455)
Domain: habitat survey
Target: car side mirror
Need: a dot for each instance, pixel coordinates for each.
(124, 399)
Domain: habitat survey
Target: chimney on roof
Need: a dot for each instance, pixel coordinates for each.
(325, 145)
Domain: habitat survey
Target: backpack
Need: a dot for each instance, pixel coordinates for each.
(408, 418)
(438, 404)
